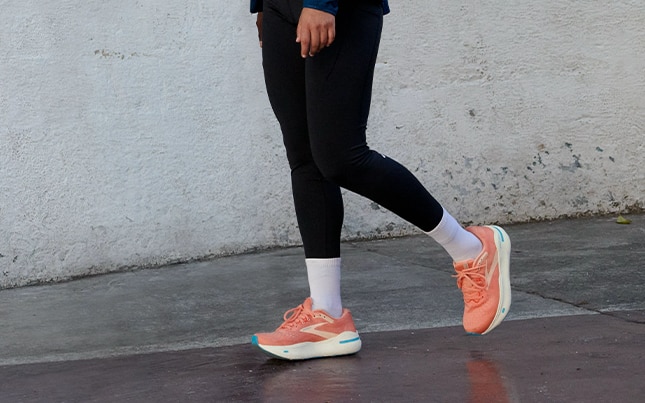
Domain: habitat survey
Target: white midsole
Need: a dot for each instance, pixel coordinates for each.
(343, 344)
(504, 257)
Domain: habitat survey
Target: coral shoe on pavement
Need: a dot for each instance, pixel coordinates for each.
(485, 281)
(309, 334)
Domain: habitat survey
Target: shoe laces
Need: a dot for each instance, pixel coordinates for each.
(296, 316)
(471, 280)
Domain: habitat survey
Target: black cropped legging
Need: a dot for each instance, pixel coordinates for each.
(322, 104)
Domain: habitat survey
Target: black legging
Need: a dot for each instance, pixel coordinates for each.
(322, 104)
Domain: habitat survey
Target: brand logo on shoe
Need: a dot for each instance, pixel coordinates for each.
(490, 271)
(313, 329)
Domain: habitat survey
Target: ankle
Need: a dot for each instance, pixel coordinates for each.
(324, 285)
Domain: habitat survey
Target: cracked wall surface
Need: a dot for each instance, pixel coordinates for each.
(135, 134)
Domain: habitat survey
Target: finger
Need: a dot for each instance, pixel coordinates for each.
(314, 46)
(331, 36)
(324, 38)
(304, 38)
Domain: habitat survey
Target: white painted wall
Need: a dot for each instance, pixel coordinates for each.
(138, 133)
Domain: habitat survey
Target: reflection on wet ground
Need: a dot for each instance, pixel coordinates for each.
(579, 358)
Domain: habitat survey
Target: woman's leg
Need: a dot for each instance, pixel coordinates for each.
(339, 89)
(318, 202)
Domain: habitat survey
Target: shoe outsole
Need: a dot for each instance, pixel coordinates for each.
(346, 343)
(503, 244)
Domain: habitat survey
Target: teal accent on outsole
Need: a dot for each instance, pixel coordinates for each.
(349, 341)
(473, 334)
(254, 340)
(277, 357)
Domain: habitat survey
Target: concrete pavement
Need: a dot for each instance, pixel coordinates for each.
(576, 330)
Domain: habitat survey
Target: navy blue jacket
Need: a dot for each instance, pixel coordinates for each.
(330, 6)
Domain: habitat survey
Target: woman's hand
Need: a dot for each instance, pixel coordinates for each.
(258, 23)
(316, 31)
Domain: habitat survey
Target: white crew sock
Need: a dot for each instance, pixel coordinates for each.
(459, 243)
(324, 285)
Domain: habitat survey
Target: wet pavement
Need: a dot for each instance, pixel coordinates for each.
(576, 331)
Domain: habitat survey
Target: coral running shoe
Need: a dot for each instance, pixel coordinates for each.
(485, 281)
(309, 334)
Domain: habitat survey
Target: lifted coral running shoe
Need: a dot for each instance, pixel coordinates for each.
(309, 334)
(485, 281)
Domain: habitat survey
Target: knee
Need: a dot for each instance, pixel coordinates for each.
(337, 168)
(333, 172)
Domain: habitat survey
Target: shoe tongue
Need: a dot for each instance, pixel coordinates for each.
(308, 304)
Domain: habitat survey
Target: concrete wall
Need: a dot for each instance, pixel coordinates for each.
(138, 133)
